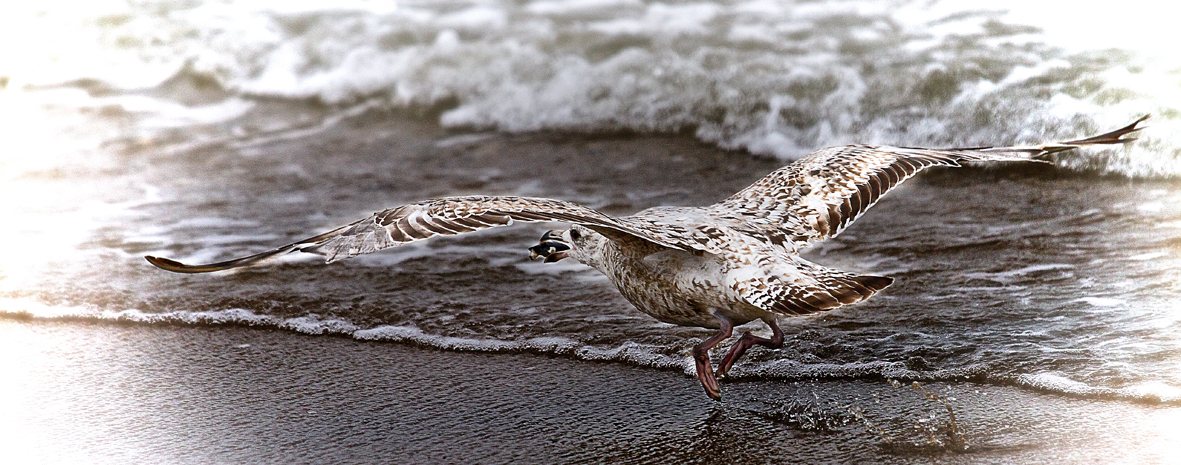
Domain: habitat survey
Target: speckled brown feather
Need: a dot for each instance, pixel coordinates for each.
(456, 215)
(820, 195)
(423, 220)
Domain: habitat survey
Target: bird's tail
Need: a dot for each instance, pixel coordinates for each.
(1036, 151)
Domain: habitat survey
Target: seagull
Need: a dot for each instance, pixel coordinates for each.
(714, 266)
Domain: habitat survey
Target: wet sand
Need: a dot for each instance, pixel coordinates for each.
(108, 393)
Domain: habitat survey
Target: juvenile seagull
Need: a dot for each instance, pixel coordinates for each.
(716, 266)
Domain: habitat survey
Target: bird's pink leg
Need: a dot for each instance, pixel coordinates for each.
(705, 371)
(747, 341)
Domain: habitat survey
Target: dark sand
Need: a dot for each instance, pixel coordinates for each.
(107, 393)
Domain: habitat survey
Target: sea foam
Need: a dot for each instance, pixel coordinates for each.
(772, 78)
(645, 355)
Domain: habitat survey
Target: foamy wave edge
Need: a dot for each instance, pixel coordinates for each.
(629, 352)
(313, 324)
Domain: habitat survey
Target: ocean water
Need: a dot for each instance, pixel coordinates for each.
(780, 78)
(206, 130)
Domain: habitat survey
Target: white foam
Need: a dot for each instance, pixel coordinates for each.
(1101, 301)
(308, 324)
(220, 317)
(640, 354)
(1005, 276)
(577, 7)
(1148, 256)
(1161, 391)
(1151, 207)
(1057, 383)
(415, 335)
(1022, 73)
(313, 324)
(759, 75)
(629, 352)
(662, 20)
(480, 18)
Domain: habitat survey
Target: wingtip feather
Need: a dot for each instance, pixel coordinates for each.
(168, 264)
(876, 283)
(1113, 137)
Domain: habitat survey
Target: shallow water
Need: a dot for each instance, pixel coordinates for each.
(1048, 279)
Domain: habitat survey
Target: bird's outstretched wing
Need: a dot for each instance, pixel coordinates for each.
(819, 195)
(418, 221)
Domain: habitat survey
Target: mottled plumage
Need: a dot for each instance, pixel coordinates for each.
(715, 266)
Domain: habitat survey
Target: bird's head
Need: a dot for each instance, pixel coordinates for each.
(556, 244)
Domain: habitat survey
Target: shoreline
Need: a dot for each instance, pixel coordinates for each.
(105, 394)
(497, 347)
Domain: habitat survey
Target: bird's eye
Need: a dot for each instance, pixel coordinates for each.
(574, 234)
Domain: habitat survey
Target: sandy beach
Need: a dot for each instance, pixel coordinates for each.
(110, 393)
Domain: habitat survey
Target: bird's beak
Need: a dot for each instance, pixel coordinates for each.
(551, 250)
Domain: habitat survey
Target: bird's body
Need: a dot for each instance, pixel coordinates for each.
(714, 266)
(672, 286)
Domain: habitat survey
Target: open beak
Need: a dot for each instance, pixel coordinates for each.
(551, 250)
(551, 247)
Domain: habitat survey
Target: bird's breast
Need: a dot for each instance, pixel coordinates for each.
(677, 287)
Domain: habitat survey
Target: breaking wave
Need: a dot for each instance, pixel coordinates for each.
(773, 78)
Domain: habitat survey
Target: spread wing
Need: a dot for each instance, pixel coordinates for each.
(818, 196)
(440, 217)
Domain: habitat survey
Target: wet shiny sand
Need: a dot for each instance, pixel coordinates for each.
(106, 393)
